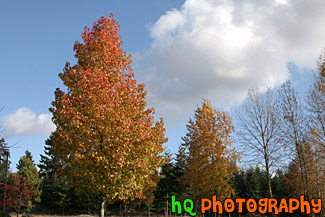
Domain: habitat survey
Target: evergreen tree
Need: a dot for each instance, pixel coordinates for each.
(281, 190)
(86, 201)
(29, 155)
(4, 155)
(56, 194)
(250, 184)
(166, 185)
(28, 171)
(169, 184)
(4, 167)
(55, 191)
(50, 163)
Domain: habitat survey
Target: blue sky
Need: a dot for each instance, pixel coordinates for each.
(183, 50)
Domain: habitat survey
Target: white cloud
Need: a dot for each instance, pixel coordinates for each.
(24, 122)
(217, 49)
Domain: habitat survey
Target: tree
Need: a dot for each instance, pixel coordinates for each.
(314, 165)
(206, 150)
(315, 99)
(250, 183)
(28, 171)
(55, 192)
(259, 130)
(4, 153)
(28, 154)
(168, 185)
(294, 129)
(280, 189)
(104, 133)
(4, 167)
(4, 162)
(20, 193)
(148, 195)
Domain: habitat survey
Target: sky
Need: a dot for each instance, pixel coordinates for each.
(182, 50)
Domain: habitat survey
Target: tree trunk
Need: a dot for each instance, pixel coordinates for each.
(299, 150)
(167, 206)
(268, 176)
(102, 208)
(306, 176)
(6, 179)
(126, 209)
(149, 209)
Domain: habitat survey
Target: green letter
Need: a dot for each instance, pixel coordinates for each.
(176, 203)
(189, 209)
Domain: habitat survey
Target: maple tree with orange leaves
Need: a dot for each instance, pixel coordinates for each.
(104, 133)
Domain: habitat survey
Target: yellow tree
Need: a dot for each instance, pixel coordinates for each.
(105, 135)
(206, 150)
(314, 165)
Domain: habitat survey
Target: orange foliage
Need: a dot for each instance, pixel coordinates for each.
(207, 153)
(105, 135)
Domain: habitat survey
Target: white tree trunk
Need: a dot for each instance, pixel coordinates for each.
(102, 208)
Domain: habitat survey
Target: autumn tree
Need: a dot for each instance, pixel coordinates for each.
(206, 150)
(19, 193)
(147, 197)
(317, 174)
(22, 189)
(104, 133)
(314, 166)
(259, 131)
(315, 100)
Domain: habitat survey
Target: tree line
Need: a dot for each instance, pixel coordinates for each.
(107, 151)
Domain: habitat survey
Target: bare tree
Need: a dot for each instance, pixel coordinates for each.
(294, 130)
(315, 100)
(259, 129)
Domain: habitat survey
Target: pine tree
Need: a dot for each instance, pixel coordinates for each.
(28, 171)
(4, 171)
(170, 184)
(55, 191)
(4, 162)
(250, 183)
